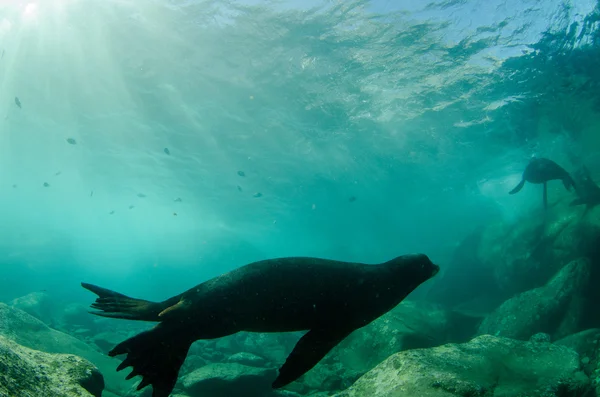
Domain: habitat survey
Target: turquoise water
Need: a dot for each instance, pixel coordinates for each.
(363, 130)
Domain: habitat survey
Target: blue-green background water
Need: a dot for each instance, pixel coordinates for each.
(424, 113)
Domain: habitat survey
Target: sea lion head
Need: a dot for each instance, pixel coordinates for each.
(417, 268)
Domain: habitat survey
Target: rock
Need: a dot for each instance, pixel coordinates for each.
(106, 341)
(229, 379)
(37, 304)
(191, 363)
(249, 359)
(485, 366)
(500, 260)
(412, 324)
(76, 315)
(465, 278)
(550, 309)
(32, 333)
(25, 372)
(587, 344)
(273, 347)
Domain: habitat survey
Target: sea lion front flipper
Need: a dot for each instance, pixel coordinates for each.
(545, 195)
(309, 350)
(518, 188)
(156, 355)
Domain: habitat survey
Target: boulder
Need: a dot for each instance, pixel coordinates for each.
(25, 373)
(228, 379)
(587, 344)
(486, 366)
(30, 332)
(410, 325)
(249, 359)
(36, 304)
(553, 308)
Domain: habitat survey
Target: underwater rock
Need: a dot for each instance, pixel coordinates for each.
(587, 344)
(412, 324)
(191, 363)
(465, 279)
(229, 379)
(30, 332)
(77, 315)
(273, 347)
(553, 308)
(25, 372)
(249, 359)
(500, 259)
(37, 304)
(485, 366)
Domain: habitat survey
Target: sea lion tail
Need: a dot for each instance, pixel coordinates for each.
(518, 188)
(156, 355)
(115, 305)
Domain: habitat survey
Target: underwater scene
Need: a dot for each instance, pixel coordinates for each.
(299, 198)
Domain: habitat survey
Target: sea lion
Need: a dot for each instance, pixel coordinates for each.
(328, 298)
(541, 170)
(586, 188)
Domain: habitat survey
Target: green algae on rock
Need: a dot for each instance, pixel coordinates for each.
(485, 366)
(25, 372)
(553, 308)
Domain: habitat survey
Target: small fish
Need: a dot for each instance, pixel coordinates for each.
(58, 173)
(131, 207)
(72, 141)
(14, 186)
(178, 200)
(352, 199)
(46, 184)
(18, 102)
(91, 193)
(241, 173)
(239, 188)
(111, 212)
(174, 213)
(258, 194)
(141, 195)
(167, 151)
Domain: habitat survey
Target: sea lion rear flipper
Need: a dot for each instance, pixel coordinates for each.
(518, 188)
(156, 355)
(115, 305)
(309, 350)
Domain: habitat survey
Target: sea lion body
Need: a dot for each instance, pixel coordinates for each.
(540, 171)
(328, 298)
(587, 190)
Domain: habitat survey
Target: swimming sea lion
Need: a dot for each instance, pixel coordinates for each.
(541, 170)
(328, 298)
(586, 188)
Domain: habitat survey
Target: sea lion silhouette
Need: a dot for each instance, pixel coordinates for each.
(328, 298)
(541, 170)
(586, 188)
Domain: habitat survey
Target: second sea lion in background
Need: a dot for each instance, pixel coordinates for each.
(586, 188)
(541, 170)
